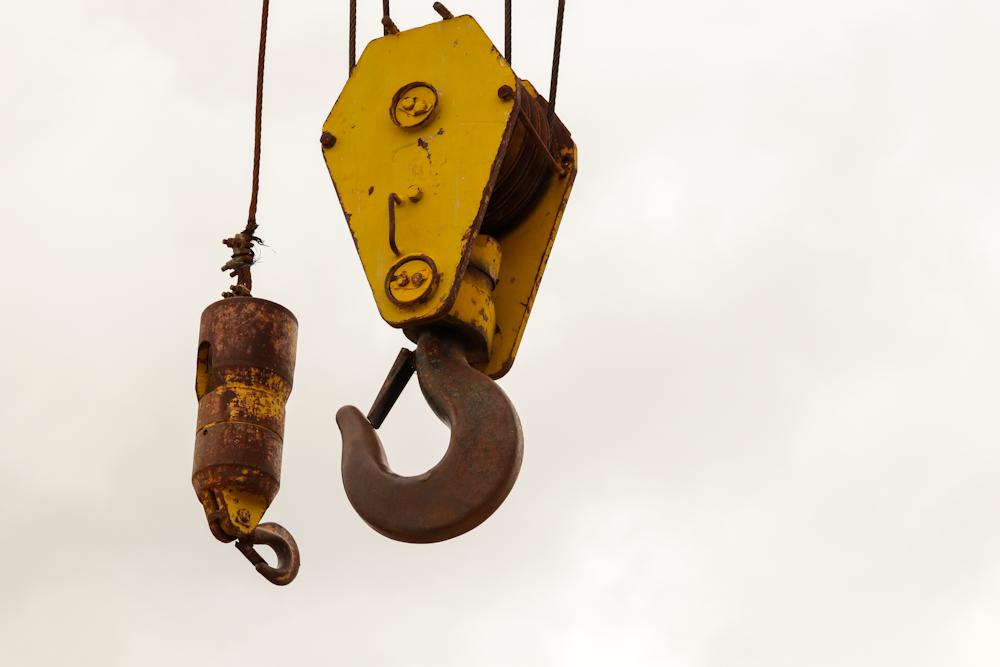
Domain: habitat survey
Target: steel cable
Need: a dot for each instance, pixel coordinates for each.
(242, 243)
(506, 30)
(353, 35)
(555, 63)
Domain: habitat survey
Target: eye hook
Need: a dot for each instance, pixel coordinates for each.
(279, 539)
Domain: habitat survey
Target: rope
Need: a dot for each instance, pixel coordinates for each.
(242, 243)
(555, 64)
(353, 35)
(385, 12)
(506, 30)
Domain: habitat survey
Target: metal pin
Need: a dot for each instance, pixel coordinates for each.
(443, 11)
(390, 27)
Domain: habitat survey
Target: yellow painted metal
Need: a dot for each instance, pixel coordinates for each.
(258, 396)
(526, 247)
(439, 149)
(252, 396)
(411, 281)
(245, 509)
(452, 156)
(473, 310)
(486, 255)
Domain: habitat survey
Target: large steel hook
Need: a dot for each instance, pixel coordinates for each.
(476, 473)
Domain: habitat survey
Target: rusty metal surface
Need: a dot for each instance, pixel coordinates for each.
(525, 165)
(526, 243)
(443, 11)
(542, 146)
(469, 483)
(246, 362)
(279, 539)
(389, 26)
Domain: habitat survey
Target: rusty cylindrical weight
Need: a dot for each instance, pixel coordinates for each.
(246, 359)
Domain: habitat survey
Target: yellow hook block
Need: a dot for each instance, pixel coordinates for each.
(424, 123)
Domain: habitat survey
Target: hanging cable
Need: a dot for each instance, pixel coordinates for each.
(242, 243)
(353, 37)
(385, 12)
(506, 30)
(555, 63)
(260, 105)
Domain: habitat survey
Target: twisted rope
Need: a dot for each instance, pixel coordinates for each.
(242, 243)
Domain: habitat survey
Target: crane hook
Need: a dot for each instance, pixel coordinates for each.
(476, 473)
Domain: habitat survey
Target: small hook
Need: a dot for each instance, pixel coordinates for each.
(279, 539)
(476, 473)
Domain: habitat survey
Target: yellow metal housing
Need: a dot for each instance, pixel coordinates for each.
(451, 155)
(420, 135)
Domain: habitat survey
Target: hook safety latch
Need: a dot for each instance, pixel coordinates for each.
(279, 539)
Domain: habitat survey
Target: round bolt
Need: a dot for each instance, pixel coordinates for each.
(413, 103)
(418, 287)
(505, 93)
(327, 139)
(243, 516)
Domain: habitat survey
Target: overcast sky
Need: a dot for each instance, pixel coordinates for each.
(759, 386)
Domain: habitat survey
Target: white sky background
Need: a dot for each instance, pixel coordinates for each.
(759, 387)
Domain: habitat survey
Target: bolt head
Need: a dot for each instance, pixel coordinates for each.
(418, 287)
(327, 139)
(413, 103)
(505, 93)
(414, 193)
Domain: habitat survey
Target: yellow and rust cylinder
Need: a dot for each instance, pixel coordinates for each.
(246, 360)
